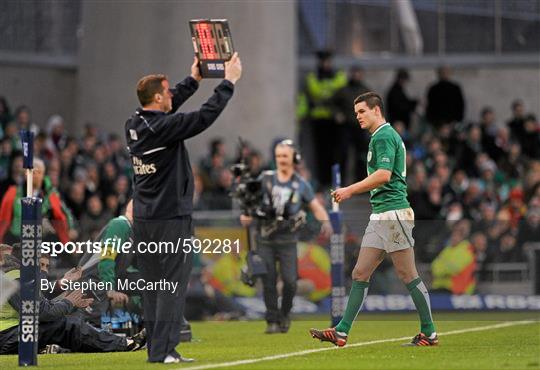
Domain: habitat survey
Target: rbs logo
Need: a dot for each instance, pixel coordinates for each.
(143, 169)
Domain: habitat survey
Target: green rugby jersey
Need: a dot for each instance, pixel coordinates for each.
(118, 231)
(387, 151)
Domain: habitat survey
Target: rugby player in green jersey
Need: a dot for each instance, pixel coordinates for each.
(390, 224)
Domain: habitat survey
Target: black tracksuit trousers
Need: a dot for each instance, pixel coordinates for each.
(163, 310)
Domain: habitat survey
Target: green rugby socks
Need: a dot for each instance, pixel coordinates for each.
(420, 297)
(357, 295)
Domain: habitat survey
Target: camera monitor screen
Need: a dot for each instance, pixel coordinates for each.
(213, 45)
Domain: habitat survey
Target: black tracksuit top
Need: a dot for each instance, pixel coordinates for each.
(163, 180)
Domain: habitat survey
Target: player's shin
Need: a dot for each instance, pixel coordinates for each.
(357, 296)
(420, 297)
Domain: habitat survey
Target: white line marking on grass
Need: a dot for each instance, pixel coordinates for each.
(359, 344)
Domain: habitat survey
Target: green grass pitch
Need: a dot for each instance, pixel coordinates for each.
(467, 341)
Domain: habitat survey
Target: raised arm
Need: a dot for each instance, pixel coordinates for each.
(181, 126)
(187, 87)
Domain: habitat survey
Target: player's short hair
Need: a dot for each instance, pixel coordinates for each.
(372, 99)
(148, 86)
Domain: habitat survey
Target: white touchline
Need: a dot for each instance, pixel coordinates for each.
(309, 351)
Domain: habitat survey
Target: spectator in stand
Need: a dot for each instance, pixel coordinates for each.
(76, 200)
(469, 149)
(453, 269)
(11, 133)
(6, 151)
(108, 176)
(517, 123)
(427, 203)
(15, 174)
(199, 198)
(488, 183)
(434, 146)
(471, 200)
(480, 245)
(529, 228)
(94, 218)
(531, 137)
(532, 177)
(445, 103)
(503, 142)
(53, 171)
(5, 114)
(216, 147)
(318, 128)
(212, 169)
(453, 190)
(122, 189)
(400, 128)
(52, 209)
(416, 179)
(23, 119)
(92, 179)
(118, 153)
(513, 165)
(100, 156)
(111, 204)
(348, 134)
(88, 148)
(57, 138)
(399, 106)
(515, 208)
(219, 196)
(488, 127)
(506, 250)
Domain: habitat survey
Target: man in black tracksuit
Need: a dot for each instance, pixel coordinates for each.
(163, 193)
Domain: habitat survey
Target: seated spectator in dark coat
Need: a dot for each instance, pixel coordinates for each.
(480, 244)
(469, 149)
(427, 203)
(507, 250)
(93, 220)
(529, 228)
(488, 127)
(76, 199)
(513, 165)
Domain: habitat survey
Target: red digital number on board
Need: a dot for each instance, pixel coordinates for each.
(206, 40)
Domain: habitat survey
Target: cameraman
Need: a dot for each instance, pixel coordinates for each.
(285, 193)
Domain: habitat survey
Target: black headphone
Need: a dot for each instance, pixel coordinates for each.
(297, 157)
